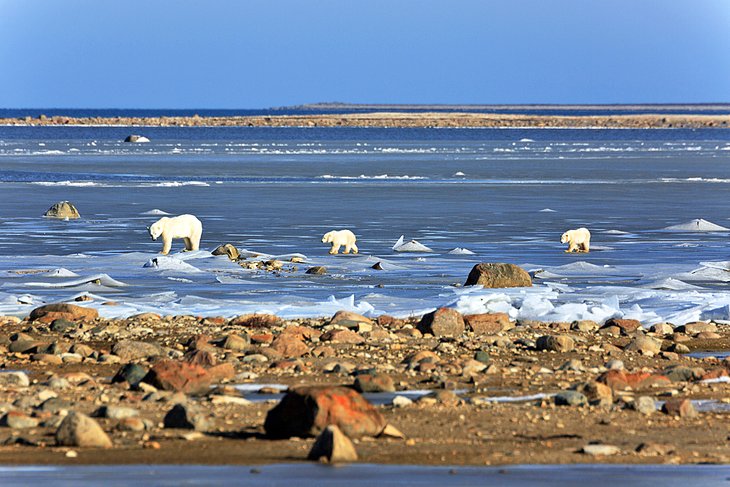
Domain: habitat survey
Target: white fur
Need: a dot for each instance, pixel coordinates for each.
(338, 238)
(186, 227)
(578, 240)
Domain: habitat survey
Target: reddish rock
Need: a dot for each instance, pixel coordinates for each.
(679, 407)
(348, 319)
(488, 323)
(260, 338)
(620, 379)
(342, 336)
(256, 321)
(302, 332)
(307, 411)
(221, 372)
(388, 321)
(715, 374)
(200, 357)
(289, 345)
(422, 356)
(323, 351)
(170, 375)
(498, 275)
(443, 322)
(625, 325)
(71, 312)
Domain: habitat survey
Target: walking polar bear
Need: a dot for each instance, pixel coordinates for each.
(338, 238)
(578, 240)
(186, 227)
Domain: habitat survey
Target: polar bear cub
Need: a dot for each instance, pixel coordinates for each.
(578, 240)
(338, 238)
(186, 227)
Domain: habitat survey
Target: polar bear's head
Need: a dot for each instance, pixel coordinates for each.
(156, 228)
(327, 238)
(565, 238)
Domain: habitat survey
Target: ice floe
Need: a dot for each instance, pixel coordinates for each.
(410, 246)
(696, 225)
(461, 251)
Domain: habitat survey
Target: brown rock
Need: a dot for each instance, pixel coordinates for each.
(596, 393)
(342, 336)
(374, 383)
(348, 319)
(443, 322)
(307, 411)
(202, 358)
(333, 446)
(62, 210)
(302, 332)
(256, 321)
(228, 250)
(498, 275)
(317, 270)
(555, 343)
(169, 375)
(262, 338)
(681, 407)
(134, 350)
(644, 345)
(390, 322)
(625, 325)
(488, 323)
(696, 327)
(71, 312)
(620, 380)
(289, 345)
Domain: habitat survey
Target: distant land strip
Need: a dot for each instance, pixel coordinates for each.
(399, 120)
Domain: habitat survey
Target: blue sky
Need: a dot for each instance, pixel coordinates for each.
(257, 54)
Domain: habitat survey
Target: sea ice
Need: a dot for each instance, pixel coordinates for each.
(155, 212)
(96, 279)
(165, 263)
(461, 251)
(411, 246)
(697, 225)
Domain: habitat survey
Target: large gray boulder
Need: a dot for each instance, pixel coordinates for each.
(498, 275)
(62, 210)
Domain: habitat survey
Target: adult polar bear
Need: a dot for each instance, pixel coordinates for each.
(338, 238)
(186, 227)
(578, 240)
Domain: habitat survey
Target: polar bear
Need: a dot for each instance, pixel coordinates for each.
(186, 227)
(578, 240)
(339, 238)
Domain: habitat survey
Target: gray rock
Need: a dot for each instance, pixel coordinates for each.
(601, 450)
(116, 412)
(584, 325)
(615, 364)
(53, 405)
(130, 373)
(135, 350)
(185, 416)
(14, 379)
(334, 446)
(317, 270)
(137, 139)
(644, 345)
(644, 405)
(570, 398)
(18, 420)
(77, 429)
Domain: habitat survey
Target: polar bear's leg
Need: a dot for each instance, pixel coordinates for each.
(188, 245)
(195, 238)
(347, 249)
(166, 245)
(587, 246)
(335, 248)
(354, 248)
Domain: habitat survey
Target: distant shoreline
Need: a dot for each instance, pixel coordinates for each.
(397, 120)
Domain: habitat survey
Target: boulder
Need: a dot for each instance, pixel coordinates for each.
(18, 420)
(348, 319)
(644, 405)
(170, 375)
(681, 407)
(488, 323)
(77, 429)
(498, 275)
(333, 446)
(289, 345)
(237, 343)
(138, 139)
(62, 210)
(228, 250)
(625, 326)
(620, 380)
(186, 416)
(374, 383)
(570, 398)
(644, 345)
(555, 343)
(307, 411)
(597, 393)
(71, 312)
(317, 270)
(136, 350)
(13, 379)
(697, 327)
(342, 336)
(442, 322)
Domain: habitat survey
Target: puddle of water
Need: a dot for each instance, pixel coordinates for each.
(717, 354)
(367, 474)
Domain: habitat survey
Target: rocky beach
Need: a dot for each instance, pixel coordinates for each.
(444, 388)
(449, 119)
